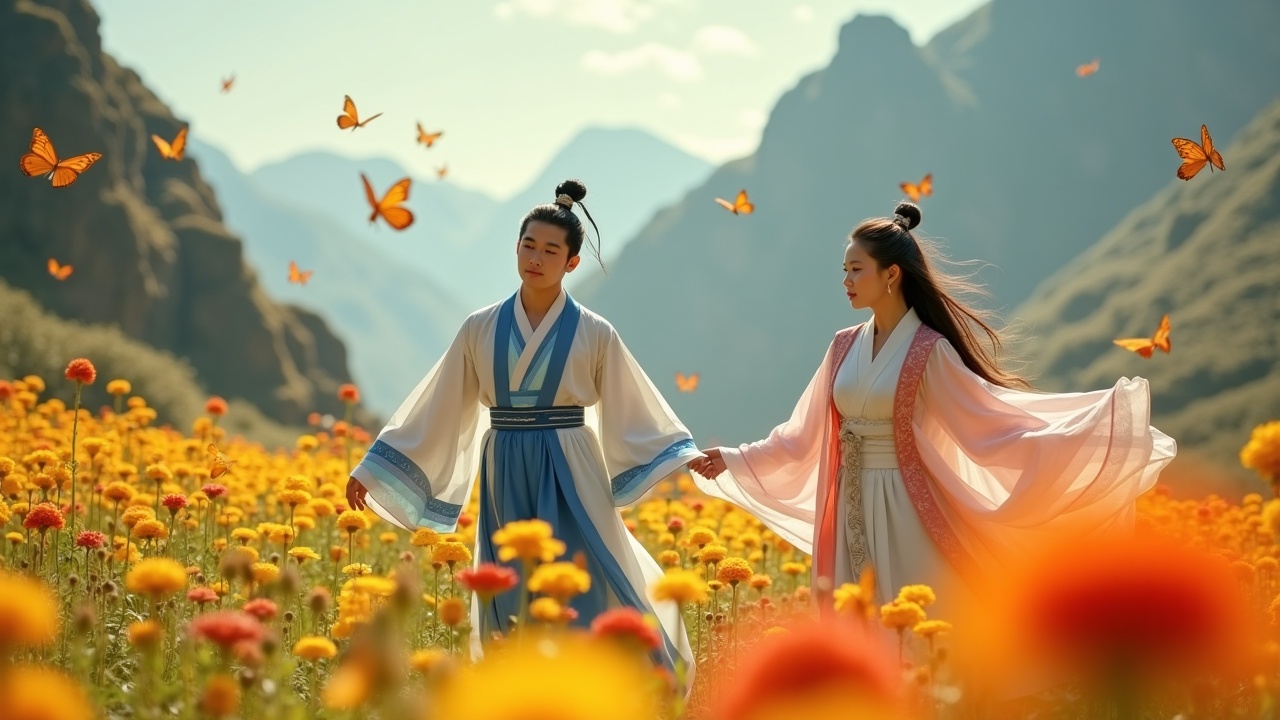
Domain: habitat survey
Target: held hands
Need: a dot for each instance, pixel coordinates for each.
(355, 494)
(710, 465)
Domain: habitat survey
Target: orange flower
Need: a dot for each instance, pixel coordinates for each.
(348, 393)
(81, 371)
(733, 571)
(452, 611)
(43, 517)
(215, 406)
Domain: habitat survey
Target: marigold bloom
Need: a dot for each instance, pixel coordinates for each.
(681, 586)
(560, 580)
(28, 612)
(921, 595)
(629, 626)
(713, 554)
(201, 595)
(759, 581)
(700, 536)
(529, 540)
(264, 572)
(174, 502)
(213, 491)
(1262, 453)
(150, 529)
(451, 611)
(215, 406)
(37, 693)
(302, 554)
(293, 497)
(90, 539)
(221, 695)
(81, 371)
(145, 633)
(119, 387)
(314, 648)
(426, 660)
(450, 553)
(157, 577)
(307, 443)
(545, 609)
(348, 393)
(571, 681)
(733, 571)
(669, 558)
(424, 537)
(118, 491)
(227, 627)
(356, 570)
(352, 521)
(901, 615)
(929, 628)
(488, 579)
(44, 517)
(262, 608)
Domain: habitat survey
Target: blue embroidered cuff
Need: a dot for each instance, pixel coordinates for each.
(630, 484)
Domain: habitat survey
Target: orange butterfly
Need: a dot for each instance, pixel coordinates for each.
(1194, 157)
(350, 118)
(1087, 69)
(1147, 346)
(299, 277)
(686, 383)
(740, 205)
(174, 150)
(43, 160)
(59, 271)
(389, 206)
(228, 82)
(219, 463)
(915, 191)
(442, 171)
(427, 138)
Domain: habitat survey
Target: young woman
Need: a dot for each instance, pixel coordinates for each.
(573, 430)
(912, 452)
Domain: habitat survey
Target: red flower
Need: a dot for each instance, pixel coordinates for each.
(262, 608)
(44, 516)
(201, 595)
(91, 539)
(213, 491)
(82, 371)
(628, 625)
(174, 501)
(488, 579)
(466, 520)
(216, 406)
(313, 419)
(340, 428)
(6, 390)
(675, 525)
(811, 662)
(227, 627)
(348, 393)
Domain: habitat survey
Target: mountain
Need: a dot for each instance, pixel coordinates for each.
(1206, 252)
(395, 322)
(464, 241)
(1031, 165)
(145, 235)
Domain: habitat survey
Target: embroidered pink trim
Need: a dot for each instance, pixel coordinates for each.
(824, 556)
(914, 476)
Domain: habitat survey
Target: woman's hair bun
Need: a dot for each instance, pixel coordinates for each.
(573, 188)
(910, 211)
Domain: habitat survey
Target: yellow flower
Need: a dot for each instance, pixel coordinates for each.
(424, 537)
(901, 615)
(929, 628)
(388, 538)
(424, 661)
(294, 497)
(314, 648)
(451, 611)
(1262, 453)
(307, 443)
(244, 535)
(221, 696)
(36, 693)
(759, 581)
(157, 577)
(150, 529)
(28, 612)
(264, 572)
(137, 514)
(529, 540)
(733, 571)
(298, 482)
(321, 507)
(352, 521)
(560, 580)
(921, 595)
(794, 568)
(712, 554)
(356, 570)
(15, 538)
(280, 534)
(669, 558)
(568, 681)
(119, 387)
(700, 536)
(302, 554)
(681, 586)
(145, 634)
(545, 609)
(851, 600)
(451, 553)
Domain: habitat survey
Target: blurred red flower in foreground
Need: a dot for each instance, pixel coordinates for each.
(627, 625)
(82, 371)
(835, 671)
(227, 627)
(216, 406)
(488, 580)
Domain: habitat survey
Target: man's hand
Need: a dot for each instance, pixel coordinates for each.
(355, 494)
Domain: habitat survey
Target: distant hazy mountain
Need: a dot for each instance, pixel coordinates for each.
(1031, 165)
(1207, 252)
(395, 321)
(464, 240)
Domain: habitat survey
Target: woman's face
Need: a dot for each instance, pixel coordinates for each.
(864, 282)
(543, 255)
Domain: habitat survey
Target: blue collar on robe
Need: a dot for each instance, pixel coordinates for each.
(542, 379)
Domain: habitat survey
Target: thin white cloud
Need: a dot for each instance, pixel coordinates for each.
(618, 16)
(669, 100)
(723, 40)
(679, 65)
(753, 119)
(719, 148)
(802, 13)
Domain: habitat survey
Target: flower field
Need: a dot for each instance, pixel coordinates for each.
(162, 572)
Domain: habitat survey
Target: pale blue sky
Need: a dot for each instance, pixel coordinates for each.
(509, 81)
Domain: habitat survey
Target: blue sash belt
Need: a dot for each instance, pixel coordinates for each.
(507, 418)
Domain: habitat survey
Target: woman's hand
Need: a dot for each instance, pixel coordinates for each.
(709, 466)
(355, 494)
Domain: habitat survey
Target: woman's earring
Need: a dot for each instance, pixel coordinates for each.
(889, 288)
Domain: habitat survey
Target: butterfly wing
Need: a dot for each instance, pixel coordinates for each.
(369, 119)
(348, 118)
(429, 139)
(1206, 142)
(166, 150)
(742, 205)
(180, 144)
(1142, 346)
(42, 159)
(726, 205)
(926, 185)
(1193, 157)
(442, 171)
(911, 190)
(306, 275)
(389, 207)
(368, 193)
(1161, 338)
(66, 171)
(58, 270)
